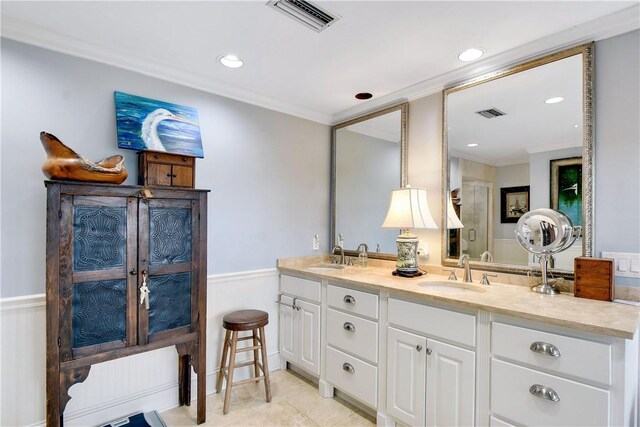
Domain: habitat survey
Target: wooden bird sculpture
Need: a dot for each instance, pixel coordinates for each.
(64, 163)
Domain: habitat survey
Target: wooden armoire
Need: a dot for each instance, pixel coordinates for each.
(126, 273)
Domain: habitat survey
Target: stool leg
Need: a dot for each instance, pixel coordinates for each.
(265, 365)
(256, 359)
(225, 350)
(232, 362)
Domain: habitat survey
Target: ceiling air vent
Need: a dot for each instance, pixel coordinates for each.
(305, 12)
(491, 113)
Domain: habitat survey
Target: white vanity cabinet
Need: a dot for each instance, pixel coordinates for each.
(299, 322)
(541, 376)
(352, 342)
(430, 382)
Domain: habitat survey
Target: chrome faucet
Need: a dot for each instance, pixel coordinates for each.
(464, 262)
(341, 252)
(486, 257)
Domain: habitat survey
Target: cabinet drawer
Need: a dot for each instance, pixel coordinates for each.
(578, 404)
(436, 322)
(352, 376)
(352, 301)
(574, 356)
(301, 288)
(353, 334)
(174, 159)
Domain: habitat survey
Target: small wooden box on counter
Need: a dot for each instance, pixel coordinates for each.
(593, 278)
(164, 169)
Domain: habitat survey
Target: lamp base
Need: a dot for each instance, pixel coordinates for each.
(407, 273)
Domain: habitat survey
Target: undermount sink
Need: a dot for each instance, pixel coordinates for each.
(325, 267)
(450, 286)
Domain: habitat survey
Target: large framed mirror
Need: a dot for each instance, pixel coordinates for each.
(368, 160)
(515, 140)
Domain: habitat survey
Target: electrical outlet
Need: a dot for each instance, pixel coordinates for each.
(423, 251)
(316, 243)
(625, 265)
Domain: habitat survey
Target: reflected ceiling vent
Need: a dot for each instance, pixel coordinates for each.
(491, 113)
(305, 12)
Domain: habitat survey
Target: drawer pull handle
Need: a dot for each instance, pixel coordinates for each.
(349, 299)
(544, 392)
(349, 368)
(545, 348)
(348, 326)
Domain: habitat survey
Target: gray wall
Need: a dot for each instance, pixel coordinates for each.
(617, 146)
(274, 165)
(268, 172)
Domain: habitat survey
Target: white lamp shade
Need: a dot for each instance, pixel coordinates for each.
(452, 218)
(409, 209)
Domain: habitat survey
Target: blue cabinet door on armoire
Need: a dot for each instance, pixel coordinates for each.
(126, 273)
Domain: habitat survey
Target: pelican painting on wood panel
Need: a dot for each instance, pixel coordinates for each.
(149, 128)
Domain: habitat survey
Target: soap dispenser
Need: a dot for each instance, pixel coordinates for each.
(363, 259)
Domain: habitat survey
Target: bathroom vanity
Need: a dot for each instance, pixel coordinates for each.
(427, 351)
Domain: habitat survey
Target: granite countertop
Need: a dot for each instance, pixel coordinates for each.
(608, 318)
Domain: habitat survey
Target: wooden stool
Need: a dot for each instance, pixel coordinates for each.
(234, 322)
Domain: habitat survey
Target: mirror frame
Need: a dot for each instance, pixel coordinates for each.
(404, 116)
(586, 50)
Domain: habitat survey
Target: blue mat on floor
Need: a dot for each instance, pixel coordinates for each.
(150, 419)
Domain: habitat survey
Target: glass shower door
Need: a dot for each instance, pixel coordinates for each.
(475, 217)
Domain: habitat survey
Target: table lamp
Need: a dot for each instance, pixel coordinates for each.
(408, 209)
(452, 218)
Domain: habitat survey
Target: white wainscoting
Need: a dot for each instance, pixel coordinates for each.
(143, 382)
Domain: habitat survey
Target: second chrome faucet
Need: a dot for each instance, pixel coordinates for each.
(464, 262)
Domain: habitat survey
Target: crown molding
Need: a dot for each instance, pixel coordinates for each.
(20, 31)
(617, 23)
(608, 26)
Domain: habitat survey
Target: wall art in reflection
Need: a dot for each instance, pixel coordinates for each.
(566, 187)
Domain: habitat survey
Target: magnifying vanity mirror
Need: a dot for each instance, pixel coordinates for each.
(516, 140)
(368, 160)
(545, 232)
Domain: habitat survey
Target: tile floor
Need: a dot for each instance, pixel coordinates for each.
(295, 402)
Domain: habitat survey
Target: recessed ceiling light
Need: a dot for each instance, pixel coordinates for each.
(230, 61)
(364, 95)
(575, 126)
(470, 54)
(554, 100)
(472, 145)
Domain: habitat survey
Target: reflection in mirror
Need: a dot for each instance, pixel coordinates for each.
(510, 147)
(368, 162)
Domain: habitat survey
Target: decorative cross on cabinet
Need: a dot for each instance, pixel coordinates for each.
(126, 274)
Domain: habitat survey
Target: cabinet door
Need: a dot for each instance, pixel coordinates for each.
(406, 374)
(97, 294)
(168, 244)
(182, 176)
(450, 385)
(308, 324)
(287, 345)
(158, 174)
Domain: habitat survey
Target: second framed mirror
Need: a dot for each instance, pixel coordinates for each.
(516, 140)
(368, 161)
